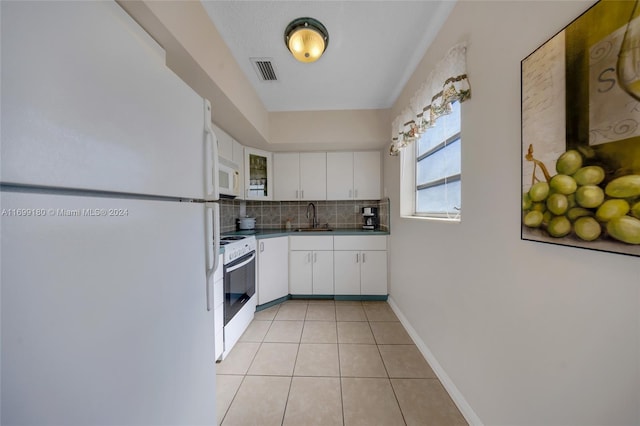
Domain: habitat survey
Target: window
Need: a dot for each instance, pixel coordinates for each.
(438, 168)
(427, 137)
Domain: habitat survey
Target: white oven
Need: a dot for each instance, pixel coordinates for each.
(240, 299)
(228, 178)
(239, 284)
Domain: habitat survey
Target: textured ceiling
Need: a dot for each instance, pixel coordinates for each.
(374, 47)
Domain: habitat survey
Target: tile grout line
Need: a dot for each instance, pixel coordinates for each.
(232, 399)
(389, 377)
(340, 370)
(293, 370)
(244, 376)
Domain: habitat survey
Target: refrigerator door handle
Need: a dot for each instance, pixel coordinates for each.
(212, 230)
(211, 157)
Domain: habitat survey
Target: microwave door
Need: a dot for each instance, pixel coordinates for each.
(228, 178)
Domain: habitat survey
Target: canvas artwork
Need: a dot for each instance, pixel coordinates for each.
(581, 133)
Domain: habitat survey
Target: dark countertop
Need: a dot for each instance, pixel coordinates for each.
(273, 233)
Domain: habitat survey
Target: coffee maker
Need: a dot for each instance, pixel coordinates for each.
(370, 218)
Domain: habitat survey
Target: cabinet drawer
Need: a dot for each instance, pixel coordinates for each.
(357, 242)
(311, 242)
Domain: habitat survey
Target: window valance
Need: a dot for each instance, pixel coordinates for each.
(446, 84)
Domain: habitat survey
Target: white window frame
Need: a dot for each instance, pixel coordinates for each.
(409, 187)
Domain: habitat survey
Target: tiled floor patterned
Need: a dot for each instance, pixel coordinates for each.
(320, 362)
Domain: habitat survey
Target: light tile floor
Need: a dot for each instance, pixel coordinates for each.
(320, 362)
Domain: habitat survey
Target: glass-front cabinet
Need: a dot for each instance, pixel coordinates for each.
(258, 173)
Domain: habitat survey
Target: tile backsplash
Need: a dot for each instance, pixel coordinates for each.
(274, 214)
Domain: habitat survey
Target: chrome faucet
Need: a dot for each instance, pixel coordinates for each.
(312, 218)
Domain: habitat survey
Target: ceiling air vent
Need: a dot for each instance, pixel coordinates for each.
(264, 68)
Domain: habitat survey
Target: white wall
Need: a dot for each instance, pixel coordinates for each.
(529, 333)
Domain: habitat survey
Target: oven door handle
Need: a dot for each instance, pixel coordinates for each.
(234, 267)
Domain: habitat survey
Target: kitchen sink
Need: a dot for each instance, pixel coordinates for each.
(313, 230)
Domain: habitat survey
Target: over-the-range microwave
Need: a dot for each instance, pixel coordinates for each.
(228, 178)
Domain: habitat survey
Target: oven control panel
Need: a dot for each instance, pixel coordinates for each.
(237, 246)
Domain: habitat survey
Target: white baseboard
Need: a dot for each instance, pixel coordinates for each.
(470, 416)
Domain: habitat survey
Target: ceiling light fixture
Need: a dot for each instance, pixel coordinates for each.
(306, 39)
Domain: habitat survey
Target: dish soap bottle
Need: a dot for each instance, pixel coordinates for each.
(287, 225)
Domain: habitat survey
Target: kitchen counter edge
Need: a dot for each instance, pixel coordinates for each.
(274, 233)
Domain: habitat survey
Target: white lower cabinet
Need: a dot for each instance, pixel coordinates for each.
(273, 278)
(373, 272)
(311, 265)
(322, 272)
(347, 272)
(360, 265)
(218, 309)
(300, 272)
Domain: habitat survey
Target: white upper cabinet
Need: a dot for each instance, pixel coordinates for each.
(366, 175)
(232, 150)
(286, 176)
(238, 158)
(340, 176)
(225, 143)
(300, 176)
(353, 175)
(258, 173)
(313, 176)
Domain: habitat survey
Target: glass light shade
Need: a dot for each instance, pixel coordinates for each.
(306, 39)
(306, 44)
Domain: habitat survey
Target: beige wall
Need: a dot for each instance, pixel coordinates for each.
(198, 54)
(329, 130)
(528, 333)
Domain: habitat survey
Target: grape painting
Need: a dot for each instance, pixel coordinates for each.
(581, 133)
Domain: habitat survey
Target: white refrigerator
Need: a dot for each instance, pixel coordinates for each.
(109, 238)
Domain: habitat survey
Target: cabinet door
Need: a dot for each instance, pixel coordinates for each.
(339, 175)
(273, 267)
(258, 173)
(300, 272)
(323, 272)
(347, 272)
(238, 158)
(366, 175)
(313, 176)
(286, 176)
(225, 143)
(373, 272)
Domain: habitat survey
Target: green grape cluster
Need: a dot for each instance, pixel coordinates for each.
(577, 200)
